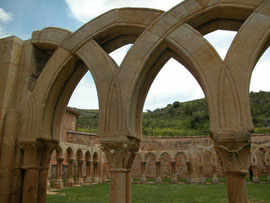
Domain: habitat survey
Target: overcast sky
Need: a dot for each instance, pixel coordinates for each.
(173, 83)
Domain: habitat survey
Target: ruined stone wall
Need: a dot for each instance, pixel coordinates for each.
(82, 138)
(199, 151)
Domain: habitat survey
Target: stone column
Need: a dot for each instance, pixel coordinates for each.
(201, 175)
(58, 183)
(88, 179)
(268, 173)
(95, 172)
(70, 181)
(188, 172)
(120, 156)
(214, 176)
(99, 175)
(233, 149)
(79, 178)
(158, 178)
(36, 161)
(143, 179)
(255, 178)
(173, 175)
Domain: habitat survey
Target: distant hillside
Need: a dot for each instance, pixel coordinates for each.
(184, 118)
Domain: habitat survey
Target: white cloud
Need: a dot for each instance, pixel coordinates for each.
(5, 17)
(85, 10)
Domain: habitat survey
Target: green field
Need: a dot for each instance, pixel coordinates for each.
(165, 193)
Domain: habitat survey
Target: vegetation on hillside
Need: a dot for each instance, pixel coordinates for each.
(184, 118)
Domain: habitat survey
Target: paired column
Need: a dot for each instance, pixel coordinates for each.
(173, 175)
(58, 183)
(268, 173)
(36, 161)
(267, 163)
(79, 178)
(120, 156)
(95, 172)
(233, 148)
(88, 179)
(201, 175)
(214, 176)
(158, 178)
(255, 178)
(70, 181)
(188, 172)
(143, 179)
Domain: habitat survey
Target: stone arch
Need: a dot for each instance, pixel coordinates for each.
(79, 154)
(87, 156)
(159, 40)
(165, 165)
(150, 165)
(208, 163)
(267, 157)
(59, 78)
(59, 152)
(136, 172)
(69, 153)
(181, 165)
(252, 47)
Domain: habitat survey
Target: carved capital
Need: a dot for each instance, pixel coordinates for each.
(37, 152)
(120, 155)
(234, 155)
(60, 160)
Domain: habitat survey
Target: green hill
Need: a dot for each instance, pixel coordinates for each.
(184, 118)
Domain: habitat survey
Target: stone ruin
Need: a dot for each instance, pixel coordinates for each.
(39, 75)
(187, 159)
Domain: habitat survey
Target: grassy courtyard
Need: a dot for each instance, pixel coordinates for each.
(165, 193)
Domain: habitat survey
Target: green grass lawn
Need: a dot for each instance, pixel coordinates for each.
(165, 193)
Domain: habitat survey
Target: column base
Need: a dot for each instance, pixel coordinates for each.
(194, 181)
(88, 181)
(58, 184)
(173, 180)
(255, 180)
(48, 185)
(202, 181)
(69, 184)
(158, 181)
(215, 180)
(188, 181)
(268, 179)
(79, 181)
(143, 180)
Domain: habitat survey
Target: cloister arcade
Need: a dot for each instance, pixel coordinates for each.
(39, 75)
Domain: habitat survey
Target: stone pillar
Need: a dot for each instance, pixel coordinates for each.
(99, 172)
(233, 149)
(268, 173)
(36, 161)
(158, 178)
(70, 181)
(120, 156)
(88, 179)
(173, 174)
(201, 175)
(95, 172)
(214, 176)
(58, 183)
(255, 178)
(79, 178)
(188, 172)
(143, 179)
